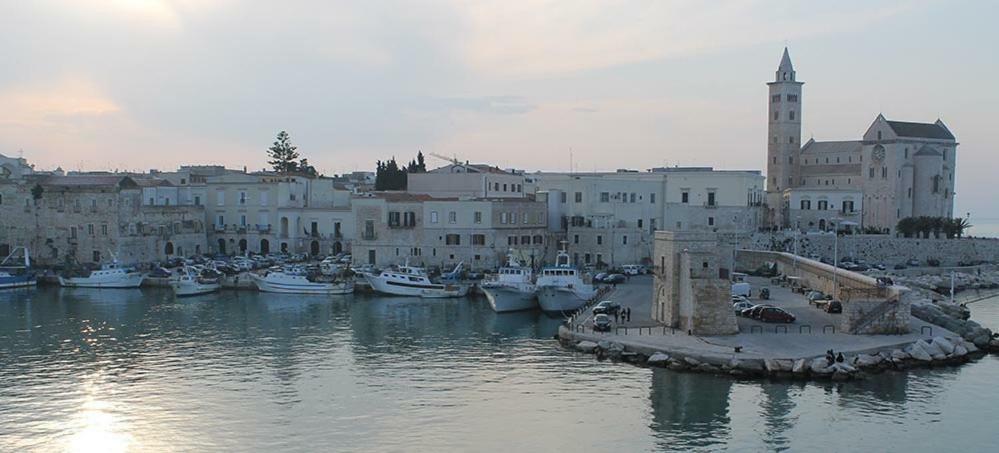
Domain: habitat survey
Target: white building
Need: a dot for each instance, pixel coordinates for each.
(467, 180)
(395, 226)
(610, 218)
(818, 209)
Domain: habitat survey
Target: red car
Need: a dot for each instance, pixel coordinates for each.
(774, 314)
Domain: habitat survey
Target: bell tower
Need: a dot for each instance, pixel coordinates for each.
(783, 137)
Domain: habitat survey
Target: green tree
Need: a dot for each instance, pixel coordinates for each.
(283, 155)
(306, 169)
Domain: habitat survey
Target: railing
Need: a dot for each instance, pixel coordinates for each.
(263, 228)
(874, 315)
(369, 236)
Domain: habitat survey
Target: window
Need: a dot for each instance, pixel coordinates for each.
(685, 197)
(823, 205)
(791, 115)
(452, 217)
(879, 135)
(600, 239)
(220, 197)
(562, 196)
(72, 232)
(369, 229)
(525, 240)
(221, 222)
(806, 205)
(197, 200)
(711, 198)
(579, 197)
(496, 186)
(775, 99)
(511, 240)
(871, 173)
(792, 98)
(776, 115)
(790, 160)
(624, 240)
(520, 188)
(575, 239)
(906, 153)
(393, 219)
(104, 230)
(503, 218)
(96, 256)
(242, 198)
(790, 139)
(478, 239)
(604, 197)
(639, 223)
(433, 216)
(632, 199)
(478, 217)
(652, 198)
(513, 218)
(90, 229)
(539, 239)
(847, 206)
(408, 220)
(711, 221)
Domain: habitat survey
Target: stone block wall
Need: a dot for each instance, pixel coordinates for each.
(692, 290)
(882, 248)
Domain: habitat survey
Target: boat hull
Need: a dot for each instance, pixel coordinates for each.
(504, 299)
(560, 300)
(435, 291)
(270, 286)
(188, 289)
(129, 280)
(17, 281)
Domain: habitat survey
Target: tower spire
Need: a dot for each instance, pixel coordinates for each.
(785, 71)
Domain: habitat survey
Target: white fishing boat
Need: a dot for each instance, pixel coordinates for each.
(110, 275)
(288, 282)
(192, 282)
(409, 280)
(511, 289)
(561, 288)
(15, 275)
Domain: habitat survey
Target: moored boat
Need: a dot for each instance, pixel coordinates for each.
(561, 288)
(413, 281)
(511, 289)
(192, 282)
(289, 282)
(110, 275)
(16, 276)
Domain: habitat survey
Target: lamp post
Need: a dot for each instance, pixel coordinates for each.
(797, 231)
(836, 221)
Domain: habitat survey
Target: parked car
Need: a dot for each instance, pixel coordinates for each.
(599, 278)
(900, 266)
(933, 262)
(834, 306)
(736, 299)
(601, 323)
(741, 306)
(606, 307)
(774, 314)
(741, 289)
(615, 278)
(913, 262)
(754, 311)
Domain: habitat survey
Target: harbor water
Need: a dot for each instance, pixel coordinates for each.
(137, 370)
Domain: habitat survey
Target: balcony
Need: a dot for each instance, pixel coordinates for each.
(369, 236)
(220, 228)
(263, 228)
(710, 205)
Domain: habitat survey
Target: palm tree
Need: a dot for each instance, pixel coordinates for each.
(960, 225)
(906, 227)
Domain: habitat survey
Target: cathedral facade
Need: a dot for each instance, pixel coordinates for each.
(897, 169)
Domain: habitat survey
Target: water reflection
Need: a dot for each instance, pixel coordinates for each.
(139, 370)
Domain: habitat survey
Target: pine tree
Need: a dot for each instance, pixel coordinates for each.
(283, 155)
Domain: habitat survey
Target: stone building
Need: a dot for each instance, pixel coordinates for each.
(395, 226)
(467, 180)
(611, 218)
(899, 169)
(92, 218)
(692, 288)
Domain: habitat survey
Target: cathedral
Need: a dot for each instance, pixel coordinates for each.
(898, 169)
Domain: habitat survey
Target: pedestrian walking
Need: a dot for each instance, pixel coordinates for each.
(629, 314)
(616, 316)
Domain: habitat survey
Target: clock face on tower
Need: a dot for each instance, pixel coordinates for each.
(878, 153)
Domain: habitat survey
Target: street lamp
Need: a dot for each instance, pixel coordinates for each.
(836, 221)
(797, 231)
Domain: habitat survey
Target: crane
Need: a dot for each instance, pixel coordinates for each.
(453, 159)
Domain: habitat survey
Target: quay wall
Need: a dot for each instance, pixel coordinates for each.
(884, 249)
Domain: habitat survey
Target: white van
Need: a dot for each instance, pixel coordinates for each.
(631, 269)
(739, 285)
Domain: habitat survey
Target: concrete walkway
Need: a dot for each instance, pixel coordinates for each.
(767, 341)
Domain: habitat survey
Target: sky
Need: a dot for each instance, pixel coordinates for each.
(142, 84)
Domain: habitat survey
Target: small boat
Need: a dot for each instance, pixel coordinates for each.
(290, 282)
(409, 280)
(561, 288)
(193, 282)
(110, 275)
(511, 289)
(16, 276)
